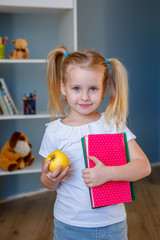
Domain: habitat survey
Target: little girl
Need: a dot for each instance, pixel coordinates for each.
(83, 78)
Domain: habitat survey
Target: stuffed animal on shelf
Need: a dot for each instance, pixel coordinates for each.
(21, 51)
(16, 153)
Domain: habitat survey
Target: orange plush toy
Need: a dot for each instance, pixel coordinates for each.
(21, 51)
(16, 153)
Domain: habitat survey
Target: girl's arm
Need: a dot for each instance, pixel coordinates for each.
(49, 179)
(136, 169)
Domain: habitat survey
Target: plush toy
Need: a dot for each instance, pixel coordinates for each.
(16, 153)
(21, 51)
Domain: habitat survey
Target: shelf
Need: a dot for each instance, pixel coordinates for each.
(17, 6)
(28, 116)
(23, 61)
(64, 31)
(23, 116)
(35, 167)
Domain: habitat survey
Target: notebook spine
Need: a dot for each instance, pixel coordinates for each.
(133, 195)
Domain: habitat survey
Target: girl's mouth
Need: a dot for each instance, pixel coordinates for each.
(84, 105)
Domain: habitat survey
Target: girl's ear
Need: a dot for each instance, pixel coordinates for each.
(63, 89)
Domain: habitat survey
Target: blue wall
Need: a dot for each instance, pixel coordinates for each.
(129, 31)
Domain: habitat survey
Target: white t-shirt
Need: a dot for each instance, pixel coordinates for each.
(73, 205)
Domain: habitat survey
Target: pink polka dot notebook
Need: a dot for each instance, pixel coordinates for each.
(112, 150)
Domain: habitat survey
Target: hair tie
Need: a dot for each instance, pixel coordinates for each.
(107, 60)
(66, 53)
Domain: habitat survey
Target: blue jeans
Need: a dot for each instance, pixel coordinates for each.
(117, 231)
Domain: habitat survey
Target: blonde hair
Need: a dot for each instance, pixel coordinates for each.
(59, 68)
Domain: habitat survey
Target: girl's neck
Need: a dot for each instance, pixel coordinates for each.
(74, 119)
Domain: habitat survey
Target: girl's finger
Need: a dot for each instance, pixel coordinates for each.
(56, 172)
(45, 168)
(85, 175)
(85, 171)
(53, 176)
(87, 181)
(90, 185)
(94, 159)
(63, 174)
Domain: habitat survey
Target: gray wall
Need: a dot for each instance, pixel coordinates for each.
(128, 30)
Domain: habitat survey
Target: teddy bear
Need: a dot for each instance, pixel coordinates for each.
(21, 51)
(16, 152)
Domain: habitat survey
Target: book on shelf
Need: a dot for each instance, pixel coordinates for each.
(6, 102)
(1, 112)
(3, 106)
(111, 150)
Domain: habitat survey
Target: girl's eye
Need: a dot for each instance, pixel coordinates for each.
(93, 89)
(76, 88)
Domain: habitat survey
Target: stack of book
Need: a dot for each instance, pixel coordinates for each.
(7, 106)
(112, 150)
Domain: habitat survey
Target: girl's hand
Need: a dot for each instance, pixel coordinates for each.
(49, 179)
(55, 176)
(137, 168)
(97, 175)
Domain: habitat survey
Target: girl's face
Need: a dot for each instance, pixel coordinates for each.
(84, 90)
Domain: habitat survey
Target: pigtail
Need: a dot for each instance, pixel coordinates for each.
(118, 90)
(55, 59)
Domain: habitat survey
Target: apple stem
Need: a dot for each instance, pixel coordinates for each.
(53, 156)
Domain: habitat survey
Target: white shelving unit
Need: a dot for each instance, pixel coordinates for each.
(35, 167)
(7, 61)
(22, 6)
(67, 33)
(23, 116)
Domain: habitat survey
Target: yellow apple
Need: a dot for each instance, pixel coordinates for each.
(57, 158)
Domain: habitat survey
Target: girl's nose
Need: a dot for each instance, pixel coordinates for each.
(85, 96)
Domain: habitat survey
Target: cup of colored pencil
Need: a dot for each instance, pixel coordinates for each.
(29, 101)
(2, 47)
